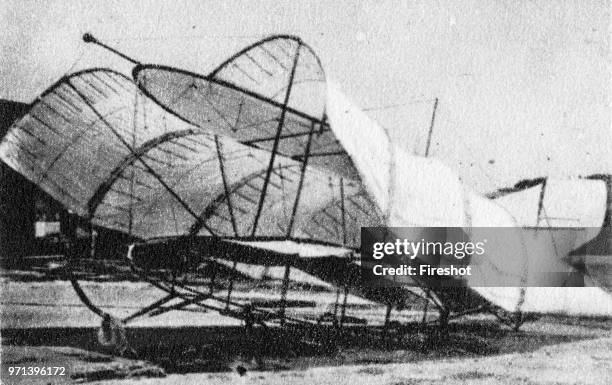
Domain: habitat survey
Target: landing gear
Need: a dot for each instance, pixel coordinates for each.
(443, 320)
(112, 336)
(514, 320)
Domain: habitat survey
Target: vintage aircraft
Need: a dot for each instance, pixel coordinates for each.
(262, 161)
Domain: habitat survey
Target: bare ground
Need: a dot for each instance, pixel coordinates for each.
(44, 324)
(585, 362)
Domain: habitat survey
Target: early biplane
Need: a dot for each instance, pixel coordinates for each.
(262, 161)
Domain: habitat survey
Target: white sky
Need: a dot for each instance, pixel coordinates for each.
(524, 86)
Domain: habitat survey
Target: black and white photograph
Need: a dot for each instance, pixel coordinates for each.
(391, 192)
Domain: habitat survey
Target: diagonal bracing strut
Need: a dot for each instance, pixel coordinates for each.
(279, 129)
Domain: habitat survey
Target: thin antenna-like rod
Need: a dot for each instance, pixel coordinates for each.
(89, 38)
(431, 126)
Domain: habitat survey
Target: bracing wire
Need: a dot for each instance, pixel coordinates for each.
(132, 173)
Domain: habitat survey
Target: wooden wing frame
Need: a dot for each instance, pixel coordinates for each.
(239, 158)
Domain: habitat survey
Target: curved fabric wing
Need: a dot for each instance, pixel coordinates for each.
(270, 95)
(282, 69)
(105, 151)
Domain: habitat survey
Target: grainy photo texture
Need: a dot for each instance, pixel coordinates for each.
(314, 192)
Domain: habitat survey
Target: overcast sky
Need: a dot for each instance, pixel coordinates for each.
(524, 86)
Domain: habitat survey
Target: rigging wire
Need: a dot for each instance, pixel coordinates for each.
(398, 105)
(75, 61)
(132, 174)
(283, 195)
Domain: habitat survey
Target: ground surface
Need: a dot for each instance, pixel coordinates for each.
(586, 362)
(43, 323)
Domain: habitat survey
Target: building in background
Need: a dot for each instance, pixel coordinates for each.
(17, 197)
(30, 218)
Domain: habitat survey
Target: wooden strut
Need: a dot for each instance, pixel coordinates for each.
(431, 126)
(69, 232)
(132, 174)
(211, 287)
(343, 211)
(517, 318)
(281, 122)
(186, 302)
(284, 290)
(337, 303)
(155, 305)
(231, 284)
(301, 181)
(388, 315)
(541, 201)
(93, 240)
(442, 310)
(226, 185)
(83, 297)
(343, 310)
(424, 319)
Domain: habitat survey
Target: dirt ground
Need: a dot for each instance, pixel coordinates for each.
(585, 362)
(43, 323)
